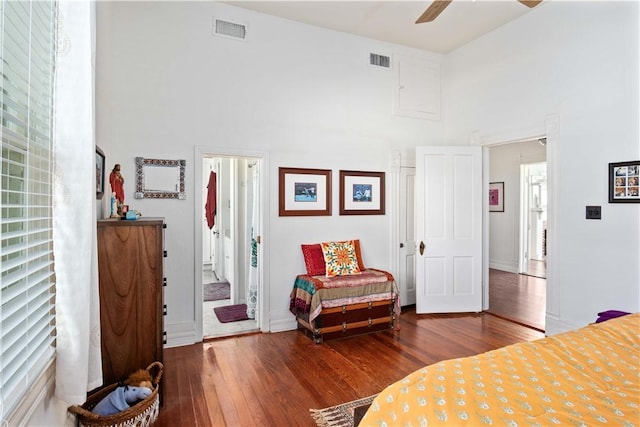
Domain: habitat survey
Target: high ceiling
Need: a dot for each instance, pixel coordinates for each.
(394, 21)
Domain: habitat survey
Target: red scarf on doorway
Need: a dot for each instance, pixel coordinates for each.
(210, 205)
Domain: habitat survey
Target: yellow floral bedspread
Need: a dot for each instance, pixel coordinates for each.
(586, 377)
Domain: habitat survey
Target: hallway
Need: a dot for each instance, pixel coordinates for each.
(518, 297)
(212, 327)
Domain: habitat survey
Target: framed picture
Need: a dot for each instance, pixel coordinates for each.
(160, 179)
(623, 182)
(99, 173)
(304, 192)
(496, 197)
(361, 193)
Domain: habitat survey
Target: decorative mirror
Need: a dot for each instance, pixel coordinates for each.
(160, 179)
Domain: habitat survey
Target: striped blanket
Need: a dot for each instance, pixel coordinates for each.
(312, 293)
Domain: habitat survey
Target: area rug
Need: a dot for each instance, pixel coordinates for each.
(231, 313)
(344, 415)
(216, 291)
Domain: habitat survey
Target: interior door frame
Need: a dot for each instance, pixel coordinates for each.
(200, 152)
(549, 129)
(406, 276)
(524, 219)
(398, 162)
(524, 252)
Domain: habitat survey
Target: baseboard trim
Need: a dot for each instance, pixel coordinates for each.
(503, 266)
(179, 334)
(283, 325)
(554, 326)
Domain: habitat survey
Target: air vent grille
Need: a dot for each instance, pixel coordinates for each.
(379, 60)
(229, 29)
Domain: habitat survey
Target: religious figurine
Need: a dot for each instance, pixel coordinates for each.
(117, 187)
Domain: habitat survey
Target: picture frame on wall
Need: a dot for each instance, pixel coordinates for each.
(160, 179)
(362, 193)
(304, 192)
(496, 197)
(624, 182)
(100, 173)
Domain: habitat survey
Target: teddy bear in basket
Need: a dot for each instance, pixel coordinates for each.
(137, 387)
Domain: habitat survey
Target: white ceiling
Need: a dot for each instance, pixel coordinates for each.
(394, 21)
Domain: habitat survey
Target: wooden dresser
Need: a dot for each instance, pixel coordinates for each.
(130, 267)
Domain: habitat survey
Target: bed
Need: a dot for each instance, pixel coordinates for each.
(590, 376)
(331, 306)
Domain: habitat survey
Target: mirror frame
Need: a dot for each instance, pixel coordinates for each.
(144, 193)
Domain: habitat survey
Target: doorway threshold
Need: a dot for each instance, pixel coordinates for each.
(532, 275)
(222, 336)
(517, 322)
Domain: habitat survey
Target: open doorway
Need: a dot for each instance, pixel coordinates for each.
(230, 238)
(517, 234)
(533, 220)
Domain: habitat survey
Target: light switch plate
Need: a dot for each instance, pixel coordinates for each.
(594, 212)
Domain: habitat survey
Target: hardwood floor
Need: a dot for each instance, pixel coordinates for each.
(274, 379)
(518, 297)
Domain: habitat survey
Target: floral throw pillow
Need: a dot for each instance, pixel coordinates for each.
(340, 258)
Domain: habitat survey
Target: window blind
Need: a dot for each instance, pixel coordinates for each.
(27, 290)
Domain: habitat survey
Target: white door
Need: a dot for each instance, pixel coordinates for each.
(449, 229)
(407, 270)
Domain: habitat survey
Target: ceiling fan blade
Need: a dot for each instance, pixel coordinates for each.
(530, 3)
(433, 11)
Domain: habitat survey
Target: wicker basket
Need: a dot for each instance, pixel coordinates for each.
(142, 414)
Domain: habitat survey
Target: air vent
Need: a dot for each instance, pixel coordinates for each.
(379, 60)
(229, 29)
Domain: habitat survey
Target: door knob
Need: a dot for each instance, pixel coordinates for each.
(402, 245)
(421, 247)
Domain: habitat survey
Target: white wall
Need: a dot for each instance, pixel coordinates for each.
(578, 63)
(306, 96)
(504, 227)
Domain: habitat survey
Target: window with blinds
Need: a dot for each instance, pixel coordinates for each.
(27, 289)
